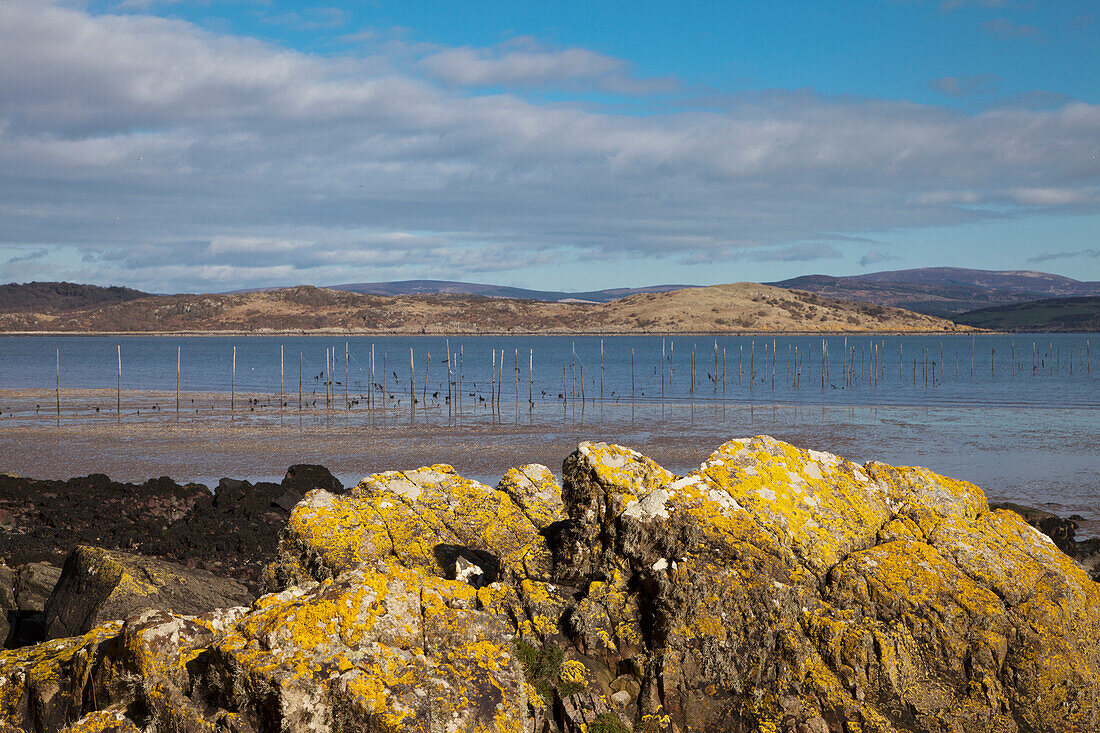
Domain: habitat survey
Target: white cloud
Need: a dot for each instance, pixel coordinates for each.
(165, 152)
(524, 62)
(964, 86)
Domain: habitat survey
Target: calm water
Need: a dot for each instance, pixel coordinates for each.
(1025, 371)
(1024, 424)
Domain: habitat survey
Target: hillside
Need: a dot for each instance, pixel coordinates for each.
(943, 291)
(450, 287)
(739, 307)
(1055, 314)
(60, 297)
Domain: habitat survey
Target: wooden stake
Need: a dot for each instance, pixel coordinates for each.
(347, 375)
(299, 381)
(716, 365)
(601, 369)
(178, 381)
(412, 380)
(531, 379)
(427, 366)
(282, 391)
(57, 392)
(233, 383)
(752, 365)
(118, 394)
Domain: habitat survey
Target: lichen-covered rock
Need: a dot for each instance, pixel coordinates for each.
(781, 589)
(98, 585)
(774, 589)
(427, 519)
(42, 687)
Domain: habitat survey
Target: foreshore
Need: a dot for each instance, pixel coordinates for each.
(1038, 457)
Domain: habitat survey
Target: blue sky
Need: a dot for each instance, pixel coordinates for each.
(204, 146)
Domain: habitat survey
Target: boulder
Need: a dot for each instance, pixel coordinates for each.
(772, 589)
(303, 477)
(778, 588)
(98, 585)
(34, 582)
(7, 601)
(24, 601)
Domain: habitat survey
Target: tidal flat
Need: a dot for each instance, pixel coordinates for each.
(1038, 456)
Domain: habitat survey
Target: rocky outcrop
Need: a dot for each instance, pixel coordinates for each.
(773, 589)
(49, 518)
(233, 531)
(24, 591)
(98, 585)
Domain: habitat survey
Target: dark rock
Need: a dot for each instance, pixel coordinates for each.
(232, 532)
(7, 601)
(23, 594)
(303, 477)
(99, 585)
(49, 518)
(7, 588)
(34, 582)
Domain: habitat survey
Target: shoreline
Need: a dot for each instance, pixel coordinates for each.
(963, 331)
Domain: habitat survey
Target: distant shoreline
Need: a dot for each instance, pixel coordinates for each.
(963, 331)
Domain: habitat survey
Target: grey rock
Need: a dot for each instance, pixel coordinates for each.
(99, 585)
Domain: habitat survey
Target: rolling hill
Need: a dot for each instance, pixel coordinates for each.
(60, 297)
(733, 308)
(1054, 315)
(943, 291)
(451, 287)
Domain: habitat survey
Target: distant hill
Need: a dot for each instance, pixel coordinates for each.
(734, 308)
(944, 291)
(60, 297)
(450, 287)
(1055, 314)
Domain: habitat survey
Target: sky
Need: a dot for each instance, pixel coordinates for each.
(203, 146)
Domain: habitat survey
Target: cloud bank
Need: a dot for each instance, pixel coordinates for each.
(150, 151)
